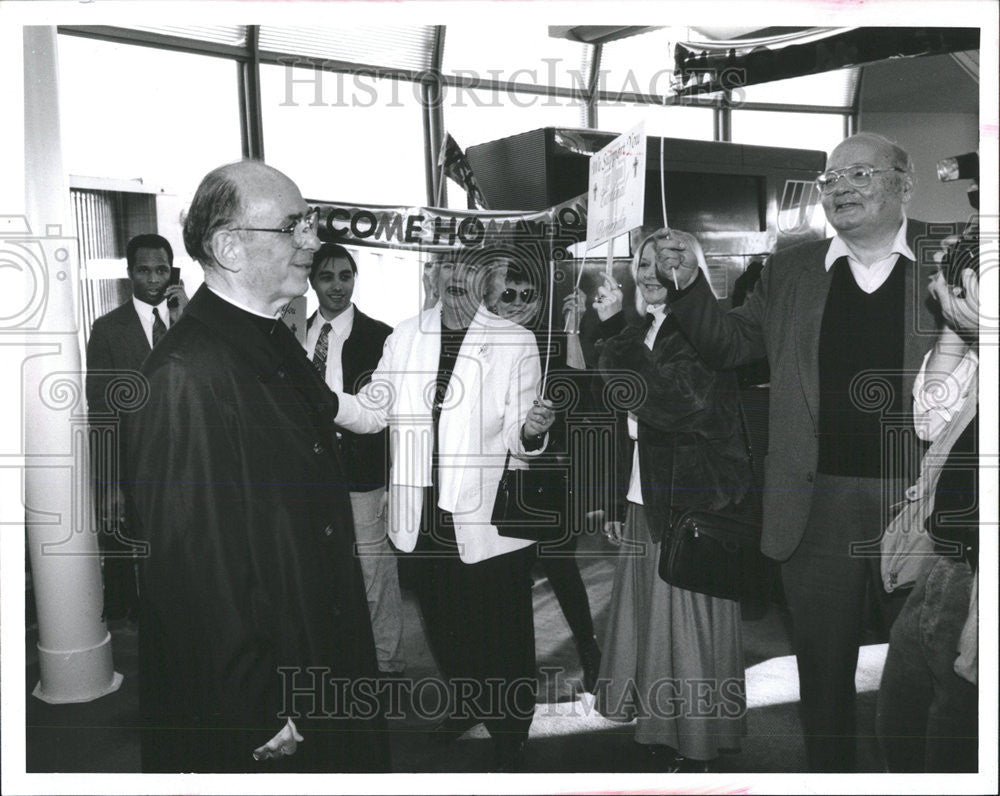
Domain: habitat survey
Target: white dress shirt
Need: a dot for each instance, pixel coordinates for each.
(340, 330)
(145, 313)
(659, 312)
(870, 277)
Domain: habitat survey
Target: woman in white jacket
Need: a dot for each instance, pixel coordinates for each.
(458, 388)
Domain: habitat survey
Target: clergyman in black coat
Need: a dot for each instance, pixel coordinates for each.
(255, 649)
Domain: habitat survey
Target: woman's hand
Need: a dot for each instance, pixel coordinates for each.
(573, 307)
(609, 299)
(539, 420)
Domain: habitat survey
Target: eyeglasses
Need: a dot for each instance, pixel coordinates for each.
(299, 227)
(527, 295)
(859, 175)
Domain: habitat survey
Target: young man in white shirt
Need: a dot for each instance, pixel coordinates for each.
(345, 345)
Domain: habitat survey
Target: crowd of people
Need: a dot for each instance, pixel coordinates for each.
(283, 490)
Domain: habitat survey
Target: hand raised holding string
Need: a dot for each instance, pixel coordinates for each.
(676, 260)
(609, 299)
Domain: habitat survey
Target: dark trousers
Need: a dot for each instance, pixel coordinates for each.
(559, 563)
(928, 716)
(826, 587)
(121, 595)
(480, 626)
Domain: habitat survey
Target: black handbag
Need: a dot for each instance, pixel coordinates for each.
(718, 552)
(533, 503)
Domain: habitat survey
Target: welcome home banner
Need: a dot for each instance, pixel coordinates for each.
(433, 229)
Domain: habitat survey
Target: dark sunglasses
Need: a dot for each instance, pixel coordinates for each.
(528, 295)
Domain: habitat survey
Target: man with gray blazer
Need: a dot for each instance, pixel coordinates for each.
(844, 326)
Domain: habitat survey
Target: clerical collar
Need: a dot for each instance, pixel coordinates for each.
(244, 307)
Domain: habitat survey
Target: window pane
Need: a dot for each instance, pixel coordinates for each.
(835, 89)
(642, 64)
(796, 130)
(473, 116)
(130, 112)
(675, 121)
(402, 47)
(513, 52)
(221, 34)
(341, 137)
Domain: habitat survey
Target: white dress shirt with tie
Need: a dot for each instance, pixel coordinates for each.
(145, 313)
(340, 330)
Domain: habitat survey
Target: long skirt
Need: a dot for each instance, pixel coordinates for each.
(673, 659)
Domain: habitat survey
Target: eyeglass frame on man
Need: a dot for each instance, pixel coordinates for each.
(308, 222)
(825, 185)
(528, 294)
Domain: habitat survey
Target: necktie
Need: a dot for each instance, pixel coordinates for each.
(159, 327)
(319, 353)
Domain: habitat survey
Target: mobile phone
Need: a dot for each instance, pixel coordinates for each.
(175, 279)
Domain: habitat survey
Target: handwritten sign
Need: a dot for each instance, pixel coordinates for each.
(617, 187)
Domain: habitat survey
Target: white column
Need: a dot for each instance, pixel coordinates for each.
(74, 645)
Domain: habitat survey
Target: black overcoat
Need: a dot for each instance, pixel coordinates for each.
(252, 596)
(691, 448)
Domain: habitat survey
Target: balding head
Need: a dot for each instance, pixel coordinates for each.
(253, 233)
(889, 152)
(221, 201)
(870, 213)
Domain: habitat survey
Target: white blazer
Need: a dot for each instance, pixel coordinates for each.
(495, 380)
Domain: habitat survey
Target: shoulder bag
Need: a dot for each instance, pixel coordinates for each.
(718, 552)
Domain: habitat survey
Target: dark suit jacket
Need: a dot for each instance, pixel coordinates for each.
(117, 344)
(235, 483)
(781, 320)
(364, 455)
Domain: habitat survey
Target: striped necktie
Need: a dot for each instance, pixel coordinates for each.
(159, 327)
(319, 353)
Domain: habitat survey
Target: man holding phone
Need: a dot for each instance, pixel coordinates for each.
(119, 341)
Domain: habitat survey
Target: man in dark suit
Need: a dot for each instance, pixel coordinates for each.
(119, 342)
(844, 326)
(345, 345)
(254, 632)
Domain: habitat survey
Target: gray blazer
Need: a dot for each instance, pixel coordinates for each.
(781, 320)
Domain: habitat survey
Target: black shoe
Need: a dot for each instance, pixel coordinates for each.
(590, 661)
(685, 765)
(661, 758)
(508, 755)
(452, 728)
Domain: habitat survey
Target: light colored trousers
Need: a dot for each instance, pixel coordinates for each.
(378, 565)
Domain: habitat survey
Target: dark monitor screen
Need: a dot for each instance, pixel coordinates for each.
(708, 202)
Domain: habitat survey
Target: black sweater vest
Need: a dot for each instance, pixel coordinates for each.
(860, 370)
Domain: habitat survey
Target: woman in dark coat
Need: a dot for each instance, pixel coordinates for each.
(673, 658)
